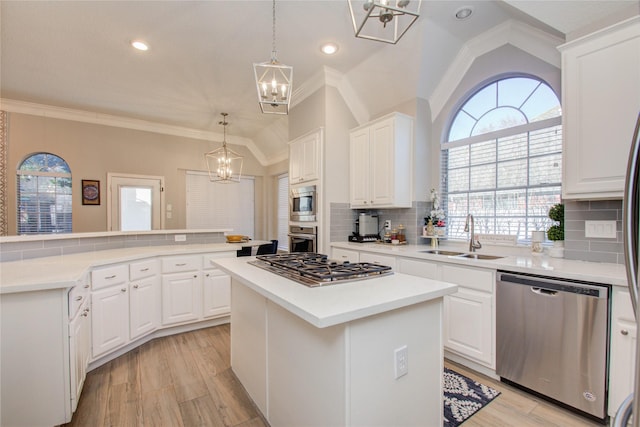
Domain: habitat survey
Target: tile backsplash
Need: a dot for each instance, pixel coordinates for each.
(577, 246)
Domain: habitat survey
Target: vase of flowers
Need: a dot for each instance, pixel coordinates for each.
(435, 222)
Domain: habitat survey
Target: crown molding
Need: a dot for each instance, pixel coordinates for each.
(50, 111)
(525, 37)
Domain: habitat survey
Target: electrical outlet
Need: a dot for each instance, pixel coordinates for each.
(180, 237)
(401, 358)
(387, 224)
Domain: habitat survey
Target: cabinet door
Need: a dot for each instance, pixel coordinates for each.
(216, 293)
(359, 168)
(144, 306)
(623, 349)
(467, 325)
(110, 319)
(381, 175)
(79, 352)
(601, 100)
(304, 158)
(181, 293)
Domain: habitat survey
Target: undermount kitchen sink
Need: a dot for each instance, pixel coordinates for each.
(479, 256)
(461, 254)
(441, 252)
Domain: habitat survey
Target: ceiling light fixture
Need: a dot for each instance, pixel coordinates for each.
(140, 45)
(224, 165)
(383, 20)
(273, 80)
(464, 13)
(329, 48)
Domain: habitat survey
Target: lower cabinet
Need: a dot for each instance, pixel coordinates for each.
(79, 351)
(216, 293)
(110, 319)
(144, 306)
(343, 255)
(181, 293)
(623, 349)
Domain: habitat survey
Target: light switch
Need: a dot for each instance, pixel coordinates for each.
(600, 229)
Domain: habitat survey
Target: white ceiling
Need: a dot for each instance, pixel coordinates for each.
(76, 54)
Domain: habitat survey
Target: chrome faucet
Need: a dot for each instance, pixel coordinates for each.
(473, 243)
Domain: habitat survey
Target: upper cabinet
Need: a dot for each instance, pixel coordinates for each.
(380, 163)
(601, 101)
(304, 158)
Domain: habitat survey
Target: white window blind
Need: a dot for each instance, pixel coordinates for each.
(213, 205)
(283, 212)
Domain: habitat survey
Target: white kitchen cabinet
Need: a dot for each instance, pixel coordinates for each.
(343, 255)
(144, 306)
(380, 163)
(469, 314)
(420, 268)
(216, 293)
(600, 105)
(110, 318)
(79, 350)
(623, 349)
(181, 293)
(145, 298)
(304, 158)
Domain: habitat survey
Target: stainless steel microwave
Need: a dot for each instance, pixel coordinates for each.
(302, 203)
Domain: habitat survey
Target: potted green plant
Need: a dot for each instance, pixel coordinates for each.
(555, 233)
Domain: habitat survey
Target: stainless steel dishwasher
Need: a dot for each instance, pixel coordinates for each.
(552, 339)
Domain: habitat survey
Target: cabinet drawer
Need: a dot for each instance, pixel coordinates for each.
(77, 296)
(622, 308)
(109, 276)
(178, 264)
(343, 255)
(142, 269)
(426, 269)
(469, 277)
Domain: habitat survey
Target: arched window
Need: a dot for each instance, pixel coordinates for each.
(44, 195)
(502, 160)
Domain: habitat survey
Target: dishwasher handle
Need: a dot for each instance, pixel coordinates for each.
(544, 292)
(549, 284)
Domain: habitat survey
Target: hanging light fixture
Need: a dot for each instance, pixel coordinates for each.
(383, 20)
(224, 164)
(273, 80)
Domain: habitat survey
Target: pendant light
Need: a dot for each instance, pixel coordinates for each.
(273, 80)
(383, 20)
(224, 165)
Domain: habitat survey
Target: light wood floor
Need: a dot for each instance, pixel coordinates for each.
(186, 380)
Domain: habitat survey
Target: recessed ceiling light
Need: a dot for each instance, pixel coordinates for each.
(464, 12)
(329, 48)
(140, 45)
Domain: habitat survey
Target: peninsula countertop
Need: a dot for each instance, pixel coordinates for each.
(337, 303)
(64, 271)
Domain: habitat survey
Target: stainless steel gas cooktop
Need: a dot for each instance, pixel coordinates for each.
(312, 269)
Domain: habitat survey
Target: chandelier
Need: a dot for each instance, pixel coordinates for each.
(273, 80)
(224, 165)
(383, 20)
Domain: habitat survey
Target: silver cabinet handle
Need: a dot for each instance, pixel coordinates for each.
(123, 290)
(624, 332)
(110, 277)
(84, 314)
(144, 269)
(182, 264)
(86, 286)
(79, 298)
(195, 276)
(135, 286)
(207, 275)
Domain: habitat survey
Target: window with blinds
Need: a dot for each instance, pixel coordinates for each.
(283, 212)
(44, 195)
(212, 205)
(503, 159)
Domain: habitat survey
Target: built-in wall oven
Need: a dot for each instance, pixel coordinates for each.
(302, 239)
(302, 203)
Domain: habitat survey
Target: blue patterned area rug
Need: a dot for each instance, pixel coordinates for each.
(463, 397)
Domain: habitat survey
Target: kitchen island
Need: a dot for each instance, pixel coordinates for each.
(328, 356)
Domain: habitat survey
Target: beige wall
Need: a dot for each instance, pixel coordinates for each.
(94, 150)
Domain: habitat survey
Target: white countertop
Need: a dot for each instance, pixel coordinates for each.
(599, 272)
(64, 271)
(339, 303)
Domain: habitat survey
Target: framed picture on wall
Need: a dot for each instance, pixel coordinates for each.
(90, 192)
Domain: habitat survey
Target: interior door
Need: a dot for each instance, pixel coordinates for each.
(135, 202)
